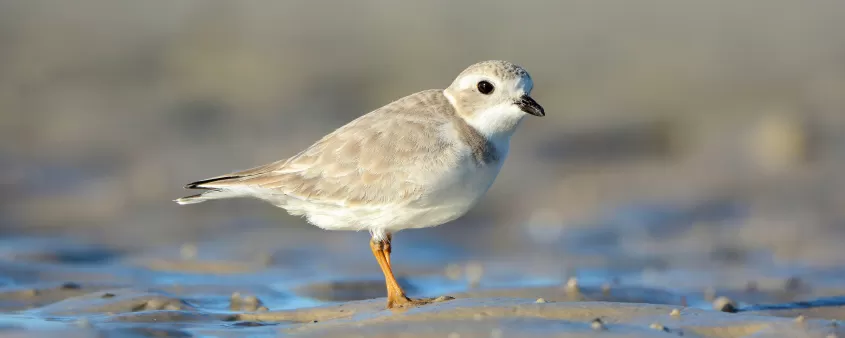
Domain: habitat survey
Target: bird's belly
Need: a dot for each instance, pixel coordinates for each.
(451, 199)
(452, 196)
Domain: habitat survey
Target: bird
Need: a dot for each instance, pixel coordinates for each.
(420, 161)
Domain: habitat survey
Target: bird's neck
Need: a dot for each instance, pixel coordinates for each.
(496, 123)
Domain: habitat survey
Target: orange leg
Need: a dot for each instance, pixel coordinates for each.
(396, 297)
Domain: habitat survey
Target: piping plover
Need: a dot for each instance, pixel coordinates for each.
(418, 162)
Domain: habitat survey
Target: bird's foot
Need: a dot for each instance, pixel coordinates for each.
(403, 302)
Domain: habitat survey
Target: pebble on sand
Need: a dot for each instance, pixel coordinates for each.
(572, 285)
(239, 302)
(724, 304)
(597, 325)
(70, 286)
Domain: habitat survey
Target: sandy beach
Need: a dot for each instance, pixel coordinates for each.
(203, 289)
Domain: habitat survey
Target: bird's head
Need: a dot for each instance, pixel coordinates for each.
(493, 97)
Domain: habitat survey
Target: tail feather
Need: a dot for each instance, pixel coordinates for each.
(198, 198)
(222, 188)
(198, 184)
(211, 194)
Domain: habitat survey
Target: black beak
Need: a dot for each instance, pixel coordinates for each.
(528, 105)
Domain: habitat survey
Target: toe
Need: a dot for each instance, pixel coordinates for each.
(400, 303)
(442, 299)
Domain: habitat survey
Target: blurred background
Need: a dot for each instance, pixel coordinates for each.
(685, 143)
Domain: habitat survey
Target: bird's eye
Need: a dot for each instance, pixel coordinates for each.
(485, 87)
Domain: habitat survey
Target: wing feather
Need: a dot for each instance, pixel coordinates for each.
(380, 158)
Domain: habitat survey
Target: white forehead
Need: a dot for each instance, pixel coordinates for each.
(522, 84)
(500, 73)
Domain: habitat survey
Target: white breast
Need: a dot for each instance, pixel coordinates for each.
(456, 192)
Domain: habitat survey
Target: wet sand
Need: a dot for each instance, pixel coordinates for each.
(192, 290)
(129, 312)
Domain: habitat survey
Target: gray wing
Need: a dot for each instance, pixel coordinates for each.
(380, 158)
